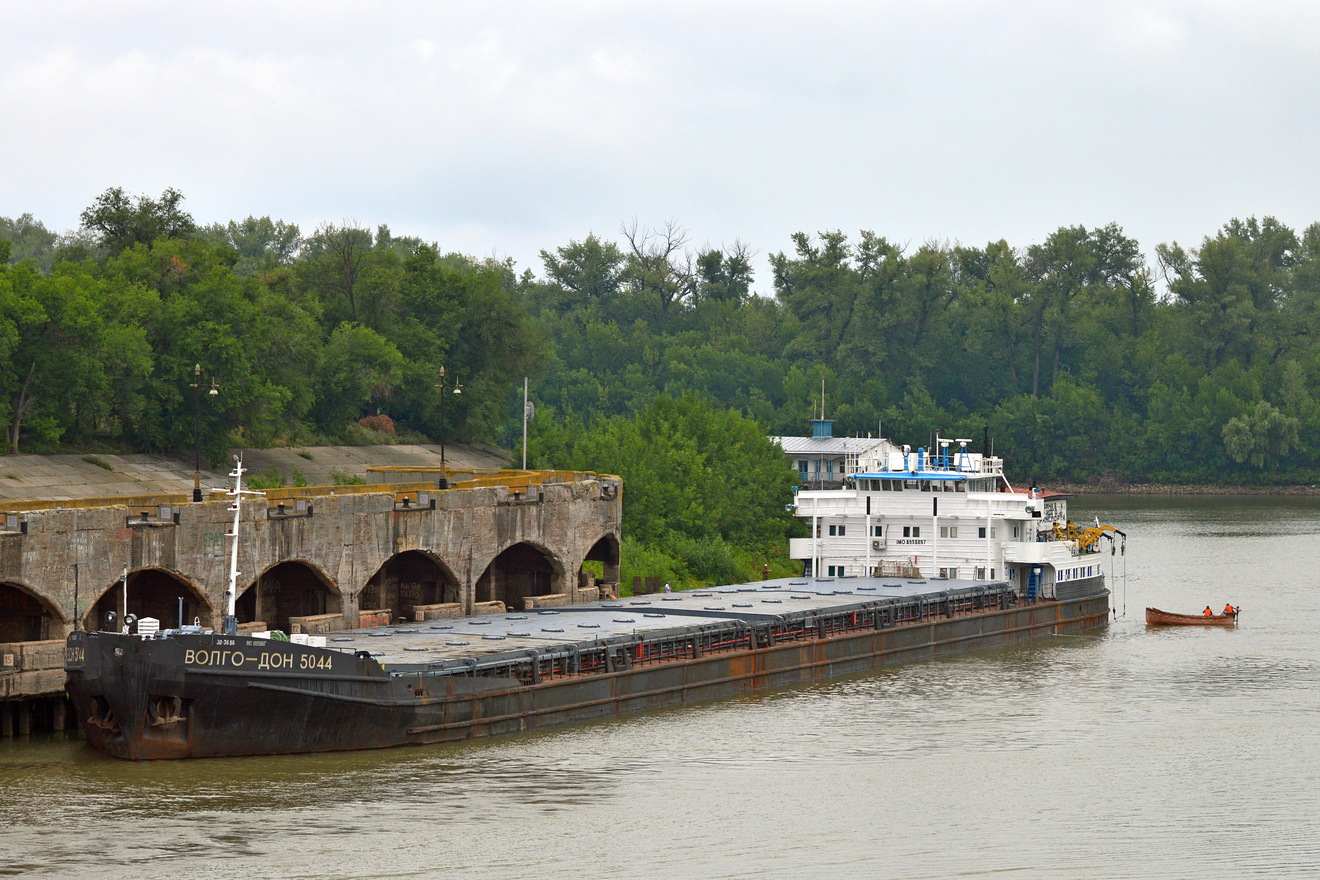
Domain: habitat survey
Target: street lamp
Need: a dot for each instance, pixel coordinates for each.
(197, 427)
(443, 482)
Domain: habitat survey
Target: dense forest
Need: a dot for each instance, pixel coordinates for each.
(648, 356)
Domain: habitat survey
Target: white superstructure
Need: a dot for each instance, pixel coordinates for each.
(949, 512)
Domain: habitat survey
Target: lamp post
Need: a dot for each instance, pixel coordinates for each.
(197, 428)
(456, 388)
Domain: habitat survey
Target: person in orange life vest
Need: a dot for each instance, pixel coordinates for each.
(1207, 612)
(1229, 610)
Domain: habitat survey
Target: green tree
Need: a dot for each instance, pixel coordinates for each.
(1230, 290)
(358, 369)
(69, 342)
(1262, 436)
(659, 275)
(262, 244)
(820, 288)
(120, 221)
(694, 471)
(725, 277)
(584, 273)
(29, 239)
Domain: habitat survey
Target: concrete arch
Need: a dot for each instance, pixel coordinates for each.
(294, 588)
(28, 616)
(607, 551)
(519, 571)
(409, 581)
(152, 592)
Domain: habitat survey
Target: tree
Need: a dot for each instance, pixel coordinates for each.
(354, 280)
(120, 221)
(996, 285)
(693, 471)
(262, 244)
(357, 371)
(587, 272)
(725, 277)
(1231, 289)
(820, 288)
(72, 349)
(1261, 436)
(29, 240)
(660, 276)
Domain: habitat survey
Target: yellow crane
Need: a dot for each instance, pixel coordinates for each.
(1086, 539)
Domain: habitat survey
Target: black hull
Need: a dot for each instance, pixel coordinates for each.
(140, 699)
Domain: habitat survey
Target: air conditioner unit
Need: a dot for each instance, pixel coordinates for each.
(878, 544)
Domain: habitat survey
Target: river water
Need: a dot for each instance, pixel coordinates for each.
(1133, 753)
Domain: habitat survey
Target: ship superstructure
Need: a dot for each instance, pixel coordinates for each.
(940, 512)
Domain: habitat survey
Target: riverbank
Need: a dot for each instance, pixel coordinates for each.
(1110, 487)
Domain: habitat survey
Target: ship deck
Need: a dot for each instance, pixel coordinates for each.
(438, 641)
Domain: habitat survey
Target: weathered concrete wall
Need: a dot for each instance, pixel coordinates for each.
(31, 668)
(67, 559)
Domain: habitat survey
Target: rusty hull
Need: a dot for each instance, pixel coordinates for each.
(143, 699)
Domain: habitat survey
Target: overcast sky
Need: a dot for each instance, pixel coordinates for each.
(504, 128)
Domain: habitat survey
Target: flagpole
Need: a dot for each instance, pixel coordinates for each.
(524, 423)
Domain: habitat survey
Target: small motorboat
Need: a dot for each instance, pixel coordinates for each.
(1156, 617)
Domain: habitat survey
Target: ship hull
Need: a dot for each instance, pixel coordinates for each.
(140, 699)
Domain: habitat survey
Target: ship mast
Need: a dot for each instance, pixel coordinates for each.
(231, 592)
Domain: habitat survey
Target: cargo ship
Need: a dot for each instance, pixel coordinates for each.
(190, 693)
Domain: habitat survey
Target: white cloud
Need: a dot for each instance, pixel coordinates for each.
(513, 127)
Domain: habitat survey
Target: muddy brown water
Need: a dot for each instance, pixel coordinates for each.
(1132, 753)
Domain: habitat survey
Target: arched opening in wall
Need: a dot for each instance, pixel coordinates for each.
(408, 580)
(152, 592)
(26, 618)
(287, 590)
(602, 563)
(519, 572)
